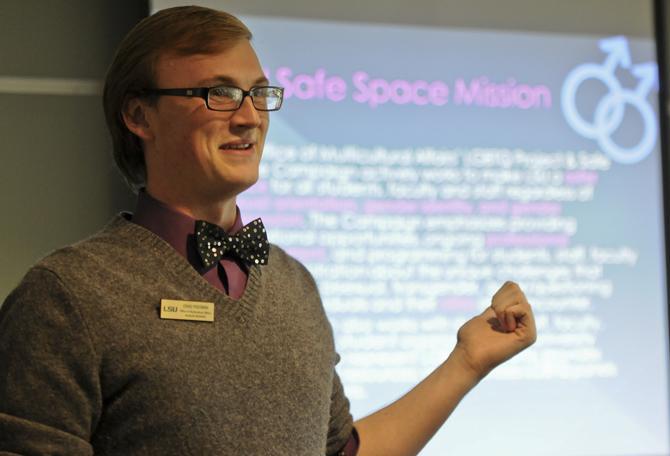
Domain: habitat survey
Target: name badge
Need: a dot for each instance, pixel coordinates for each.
(172, 309)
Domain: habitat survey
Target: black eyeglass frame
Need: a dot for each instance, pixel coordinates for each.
(203, 92)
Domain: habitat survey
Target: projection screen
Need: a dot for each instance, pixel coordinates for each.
(414, 169)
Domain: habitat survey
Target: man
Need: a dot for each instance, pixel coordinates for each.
(93, 359)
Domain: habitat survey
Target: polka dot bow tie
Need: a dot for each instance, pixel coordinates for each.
(250, 244)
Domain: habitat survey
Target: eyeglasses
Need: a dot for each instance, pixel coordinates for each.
(229, 98)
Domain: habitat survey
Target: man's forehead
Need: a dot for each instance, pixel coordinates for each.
(228, 80)
(237, 65)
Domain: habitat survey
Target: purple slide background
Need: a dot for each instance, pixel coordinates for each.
(624, 412)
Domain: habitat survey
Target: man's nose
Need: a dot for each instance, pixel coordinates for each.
(247, 114)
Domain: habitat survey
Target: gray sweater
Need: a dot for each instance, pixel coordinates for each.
(87, 366)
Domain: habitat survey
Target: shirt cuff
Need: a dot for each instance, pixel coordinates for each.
(351, 447)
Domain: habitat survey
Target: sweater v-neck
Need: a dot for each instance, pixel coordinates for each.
(182, 271)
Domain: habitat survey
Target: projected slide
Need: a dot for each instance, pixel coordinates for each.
(414, 170)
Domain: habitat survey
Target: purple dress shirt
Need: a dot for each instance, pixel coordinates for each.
(178, 230)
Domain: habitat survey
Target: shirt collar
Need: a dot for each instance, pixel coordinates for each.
(174, 227)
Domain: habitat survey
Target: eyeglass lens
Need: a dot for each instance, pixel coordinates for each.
(228, 98)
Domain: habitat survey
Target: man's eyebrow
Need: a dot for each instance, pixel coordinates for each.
(262, 80)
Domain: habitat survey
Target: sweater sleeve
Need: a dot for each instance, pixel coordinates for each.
(341, 422)
(50, 397)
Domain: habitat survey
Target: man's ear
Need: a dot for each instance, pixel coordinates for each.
(136, 119)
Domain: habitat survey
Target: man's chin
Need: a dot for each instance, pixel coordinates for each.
(237, 187)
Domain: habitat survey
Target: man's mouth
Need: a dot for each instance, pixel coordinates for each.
(240, 146)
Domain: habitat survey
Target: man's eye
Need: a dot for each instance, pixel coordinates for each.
(223, 92)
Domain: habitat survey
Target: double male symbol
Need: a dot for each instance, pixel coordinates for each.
(609, 112)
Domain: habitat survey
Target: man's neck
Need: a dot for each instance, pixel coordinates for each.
(220, 212)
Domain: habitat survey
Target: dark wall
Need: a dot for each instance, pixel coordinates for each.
(57, 179)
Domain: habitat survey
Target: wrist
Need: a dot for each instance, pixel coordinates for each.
(464, 368)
